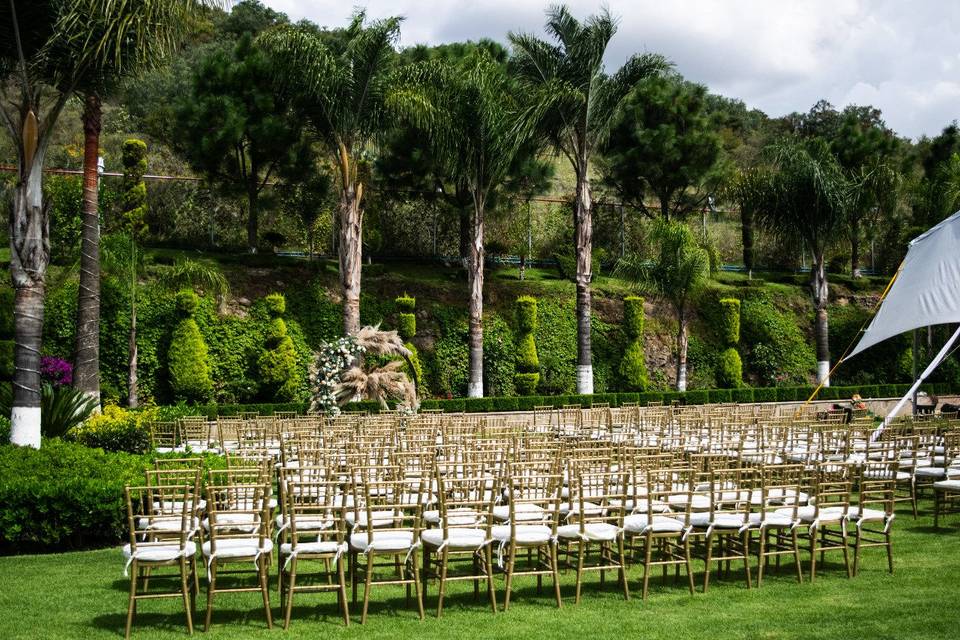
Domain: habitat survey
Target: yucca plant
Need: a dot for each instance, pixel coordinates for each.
(61, 408)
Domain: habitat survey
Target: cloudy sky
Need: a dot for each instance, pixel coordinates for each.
(778, 56)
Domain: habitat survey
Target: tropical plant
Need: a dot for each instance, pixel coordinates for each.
(62, 407)
(133, 215)
(573, 104)
(49, 50)
(677, 273)
(345, 89)
(807, 200)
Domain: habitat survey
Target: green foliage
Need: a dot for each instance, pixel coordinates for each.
(133, 201)
(64, 496)
(743, 395)
(405, 303)
(526, 312)
(697, 396)
(187, 362)
(717, 396)
(633, 317)
(499, 350)
(633, 367)
(417, 367)
(116, 429)
(406, 325)
(275, 304)
(526, 383)
(61, 409)
(730, 321)
(277, 363)
(765, 394)
(187, 302)
(776, 351)
(730, 369)
(526, 358)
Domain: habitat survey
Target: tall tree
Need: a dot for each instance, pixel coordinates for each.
(478, 144)
(95, 83)
(238, 130)
(807, 200)
(47, 49)
(345, 89)
(663, 143)
(573, 103)
(679, 270)
(748, 190)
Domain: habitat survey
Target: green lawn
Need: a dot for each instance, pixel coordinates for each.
(83, 595)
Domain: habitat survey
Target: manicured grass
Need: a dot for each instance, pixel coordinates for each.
(83, 595)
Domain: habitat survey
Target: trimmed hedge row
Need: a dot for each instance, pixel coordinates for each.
(744, 395)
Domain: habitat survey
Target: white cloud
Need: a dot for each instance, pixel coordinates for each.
(776, 56)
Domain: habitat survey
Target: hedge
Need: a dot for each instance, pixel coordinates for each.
(744, 395)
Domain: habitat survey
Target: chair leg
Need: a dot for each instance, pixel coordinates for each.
(488, 556)
(623, 568)
(581, 549)
(761, 558)
(813, 554)
(343, 592)
(647, 553)
(263, 568)
(509, 580)
(689, 563)
(211, 589)
(366, 588)
(846, 553)
(856, 551)
(889, 549)
(554, 562)
(796, 555)
(187, 599)
(706, 566)
(745, 540)
(416, 583)
(134, 574)
(443, 582)
(291, 585)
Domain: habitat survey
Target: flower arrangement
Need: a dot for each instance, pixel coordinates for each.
(332, 360)
(56, 371)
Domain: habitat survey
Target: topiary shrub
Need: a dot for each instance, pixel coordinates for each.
(277, 363)
(729, 371)
(527, 378)
(187, 357)
(407, 328)
(116, 429)
(633, 366)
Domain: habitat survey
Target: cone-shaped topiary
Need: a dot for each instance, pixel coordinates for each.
(729, 371)
(187, 357)
(278, 362)
(527, 361)
(633, 366)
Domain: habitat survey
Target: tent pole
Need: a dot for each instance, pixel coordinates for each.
(916, 384)
(916, 366)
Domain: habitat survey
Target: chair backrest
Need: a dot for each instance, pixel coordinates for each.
(165, 436)
(314, 510)
(154, 509)
(730, 493)
(780, 489)
(238, 511)
(877, 486)
(669, 488)
(533, 490)
(466, 498)
(596, 496)
(385, 505)
(832, 490)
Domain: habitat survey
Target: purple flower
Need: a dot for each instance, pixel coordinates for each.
(56, 371)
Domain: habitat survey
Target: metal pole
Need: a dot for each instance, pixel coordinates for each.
(916, 365)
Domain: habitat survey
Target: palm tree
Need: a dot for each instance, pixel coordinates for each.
(748, 190)
(477, 143)
(343, 88)
(158, 39)
(573, 105)
(808, 199)
(677, 273)
(48, 48)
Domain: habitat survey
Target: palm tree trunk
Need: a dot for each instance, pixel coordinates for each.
(475, 284)
(465, 233)
(29, 257)
(87, 367)
(746, 232)
(855, 247)
(583, 240)
(682, 343)
(351, 256)
(132, 391)
(818, 284)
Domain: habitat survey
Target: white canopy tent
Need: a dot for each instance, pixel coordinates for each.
(925, 292)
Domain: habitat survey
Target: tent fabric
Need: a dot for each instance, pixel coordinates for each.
(927, 289)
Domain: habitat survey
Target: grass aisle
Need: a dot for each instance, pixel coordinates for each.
(83, 595)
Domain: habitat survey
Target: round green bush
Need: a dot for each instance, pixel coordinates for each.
(276, 330)
(633, 317)
(730, 321)
(187, 301)
(527, 314)
(729, 369)
(407, 326)
(187, 362)
(633, 367)
(275, 304)
(526, 383)
(405, 303)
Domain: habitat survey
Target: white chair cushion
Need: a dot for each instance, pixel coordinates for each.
(322, 546)
(238, 521)
(159, 553)
(527, 534)
(383, 518)
(856, 513)
(307, 523)
(589, 508)
(165, 524)
(465, 538)
(719, 521)
(937, 472)
(698, 501)
(947, 485)
(594, 531)
(807, 514)
(238, 547)
(637, 523)
(771, 519)
(382, 541)
(524, 512)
